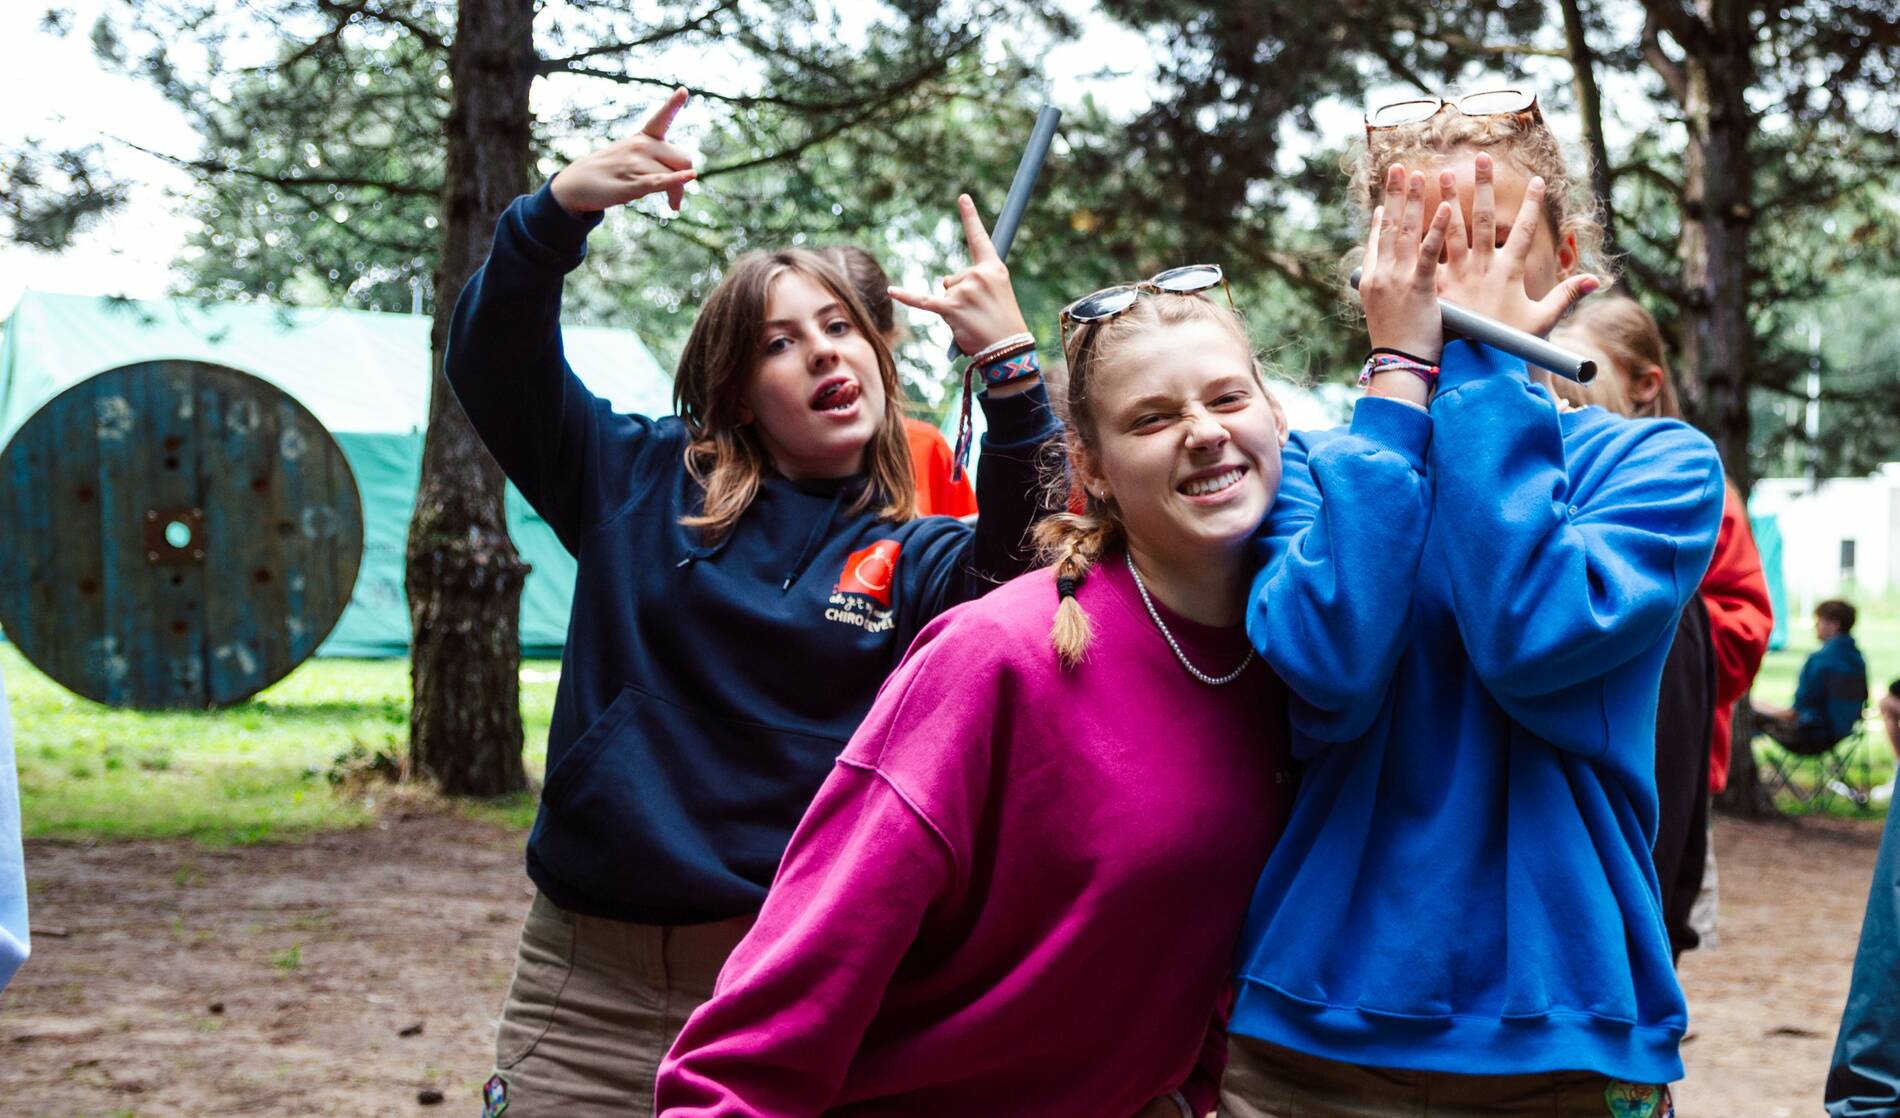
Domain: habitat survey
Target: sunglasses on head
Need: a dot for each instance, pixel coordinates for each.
(1489, 102)
(1100, 306)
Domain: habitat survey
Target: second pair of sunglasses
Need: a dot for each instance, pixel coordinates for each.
(1105, 304)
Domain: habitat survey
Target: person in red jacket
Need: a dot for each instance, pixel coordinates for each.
(1740, 618)
(1624, 339)
(941, 489)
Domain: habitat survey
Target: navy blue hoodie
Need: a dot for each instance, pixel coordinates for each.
(706, 689)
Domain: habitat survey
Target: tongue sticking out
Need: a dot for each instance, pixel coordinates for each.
(836, 396)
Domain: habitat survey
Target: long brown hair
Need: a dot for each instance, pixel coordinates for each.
(725, 455)
(1072, 542)
(1629, 336)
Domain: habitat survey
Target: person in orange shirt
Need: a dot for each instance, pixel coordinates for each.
(941, 490)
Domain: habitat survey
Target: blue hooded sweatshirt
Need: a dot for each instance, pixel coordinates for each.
(706, 689)
(1471, 608)
(1832, 690)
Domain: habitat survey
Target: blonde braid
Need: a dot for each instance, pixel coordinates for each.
(1072, 543)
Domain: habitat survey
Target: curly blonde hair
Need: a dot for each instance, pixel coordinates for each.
(1520, 139)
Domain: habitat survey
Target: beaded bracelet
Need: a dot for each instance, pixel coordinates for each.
(1015, 343)
(1389, 362)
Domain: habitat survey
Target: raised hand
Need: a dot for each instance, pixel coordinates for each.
(1397, 282)
(642, 164)
(978, 302)
(1488, 277)
(1398, 277)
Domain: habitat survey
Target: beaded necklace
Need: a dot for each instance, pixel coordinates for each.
(1211, 681)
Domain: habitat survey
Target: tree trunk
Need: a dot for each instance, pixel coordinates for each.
(1583, 82)
(1745, 795)
(1717, 339)
(464, 576)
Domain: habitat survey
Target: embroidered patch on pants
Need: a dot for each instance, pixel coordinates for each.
(494, 1096)
(1639, 1100)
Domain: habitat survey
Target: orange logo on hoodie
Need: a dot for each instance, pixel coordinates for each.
(870, 571)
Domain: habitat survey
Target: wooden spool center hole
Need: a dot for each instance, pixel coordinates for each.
(174, 536)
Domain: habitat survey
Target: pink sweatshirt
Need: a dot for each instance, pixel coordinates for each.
(1019, 891)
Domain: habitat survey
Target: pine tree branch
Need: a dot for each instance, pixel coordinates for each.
(287, 182)
(1657, 280)
(1823, 189)
(1647, 171)
(873, 106)
(738, 100)
(565, 63)
(1683, 25)
(353, 8)
(1465, 44)
(786, 154)
(1674, 78)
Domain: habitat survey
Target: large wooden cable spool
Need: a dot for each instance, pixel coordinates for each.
(174, 534)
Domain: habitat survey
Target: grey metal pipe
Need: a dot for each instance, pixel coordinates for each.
(1021, 187)
(1489, 331)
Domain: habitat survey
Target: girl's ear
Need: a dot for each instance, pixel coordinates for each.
(1568, 256)
(1646, 386)
(1085, 467)
(1279, 418)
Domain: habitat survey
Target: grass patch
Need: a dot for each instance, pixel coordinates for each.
(515, 812)
(249, 773)
(254, 772)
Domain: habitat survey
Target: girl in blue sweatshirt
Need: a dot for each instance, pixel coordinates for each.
(1462, 916)
(749, 572)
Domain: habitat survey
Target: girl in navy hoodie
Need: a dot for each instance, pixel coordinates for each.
(1462, 916)
(749, 572)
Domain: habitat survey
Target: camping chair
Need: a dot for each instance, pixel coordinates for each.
(1815, 780)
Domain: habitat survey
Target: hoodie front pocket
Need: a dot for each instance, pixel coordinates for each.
(579, 757)
(675, 812)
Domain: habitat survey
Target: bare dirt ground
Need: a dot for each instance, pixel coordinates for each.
(358, 973)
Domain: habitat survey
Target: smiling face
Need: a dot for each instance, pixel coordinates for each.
(1550, 260)
(816, 394)
(1186, 442)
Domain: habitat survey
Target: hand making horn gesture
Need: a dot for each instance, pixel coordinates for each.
(978, 302)
(642, 164)
(1483, 274)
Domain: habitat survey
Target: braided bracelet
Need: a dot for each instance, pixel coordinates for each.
(1389, 362)
(998, 350)
(1011, 368)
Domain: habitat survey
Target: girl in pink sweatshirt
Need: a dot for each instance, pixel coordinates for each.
(1018, 892)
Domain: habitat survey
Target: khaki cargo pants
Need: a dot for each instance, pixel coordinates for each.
(1266, 1081)
(593, 1007)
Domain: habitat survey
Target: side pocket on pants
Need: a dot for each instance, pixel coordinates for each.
(543, 964)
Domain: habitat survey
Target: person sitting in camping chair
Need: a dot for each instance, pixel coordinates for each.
(1831, 693)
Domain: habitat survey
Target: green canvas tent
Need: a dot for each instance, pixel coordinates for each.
(365, 376)
(1767, 532)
